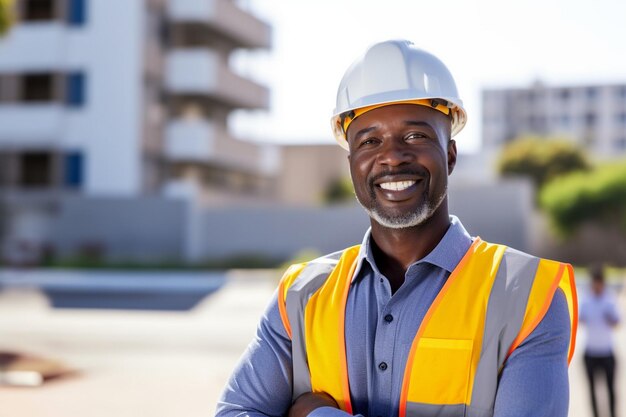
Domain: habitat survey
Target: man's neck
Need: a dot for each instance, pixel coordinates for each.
(395, 250)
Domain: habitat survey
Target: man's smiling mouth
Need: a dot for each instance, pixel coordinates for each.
(396, 185)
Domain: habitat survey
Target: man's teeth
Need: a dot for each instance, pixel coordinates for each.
(397, 185)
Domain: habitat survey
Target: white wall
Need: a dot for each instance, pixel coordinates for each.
(109, 49)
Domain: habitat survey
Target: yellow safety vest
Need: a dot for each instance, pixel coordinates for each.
(491, 302)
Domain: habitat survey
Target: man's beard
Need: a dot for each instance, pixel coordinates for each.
(404, 220)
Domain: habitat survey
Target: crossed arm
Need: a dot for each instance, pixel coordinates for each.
(533, 383)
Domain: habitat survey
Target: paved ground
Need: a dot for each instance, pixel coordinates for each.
(132, 363)
(153, 364)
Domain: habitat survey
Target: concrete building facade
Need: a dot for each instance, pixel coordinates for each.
(129, 98)
(592, 115)
(114, 142)
(125, 100)
(306, 172)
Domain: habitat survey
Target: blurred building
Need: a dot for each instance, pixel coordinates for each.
(115, 145)
(307, 171)
(126, 101)
(114, 136)
(594, 115)
(130, 98)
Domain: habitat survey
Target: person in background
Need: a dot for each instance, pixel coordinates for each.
(599, 313)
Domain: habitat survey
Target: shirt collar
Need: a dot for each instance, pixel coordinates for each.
(446, 255)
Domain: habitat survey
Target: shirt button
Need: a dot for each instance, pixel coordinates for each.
(381, 280)
(382, 366)
(388, 318)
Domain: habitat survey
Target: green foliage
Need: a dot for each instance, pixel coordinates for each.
(6, 15)
(598, 195)
(339, 191)
(541, 159)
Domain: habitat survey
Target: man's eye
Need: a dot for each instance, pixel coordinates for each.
(368, 141)
(416, 135)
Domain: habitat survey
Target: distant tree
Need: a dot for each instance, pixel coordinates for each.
(541, 159)
(6, 15)
(598, 196)
(339, 191)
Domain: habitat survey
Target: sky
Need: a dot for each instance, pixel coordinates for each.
(484, 43)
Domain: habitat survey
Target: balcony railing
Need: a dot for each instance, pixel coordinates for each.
(33, 46)
(40, 124)
(201, 141)
(225, 17)
(190, 140)
(200, 71)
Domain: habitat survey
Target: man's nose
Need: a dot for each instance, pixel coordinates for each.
(394, 153)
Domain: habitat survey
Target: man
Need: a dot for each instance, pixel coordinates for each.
(421, 319)
(599, 313)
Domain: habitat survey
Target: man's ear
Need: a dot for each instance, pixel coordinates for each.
(451, 155)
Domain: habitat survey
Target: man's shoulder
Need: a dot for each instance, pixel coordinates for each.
(330, 258)
(334, 257)
(514, 253)
(519, 266)
(320, 267)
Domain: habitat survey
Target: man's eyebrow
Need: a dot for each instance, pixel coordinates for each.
(418, 123)
(364, 131)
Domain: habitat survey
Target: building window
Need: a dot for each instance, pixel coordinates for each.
(37, 87)
(38, 10)
(620, 144)
(5, 167)
(536, 123)
(77, 12)
(35, 169)
(621, 118)
(564, 95)
(73, 167)
(565, 120)
(3, 88)
(9, 88)
(592, 93)
(75, 93)
(590, 120)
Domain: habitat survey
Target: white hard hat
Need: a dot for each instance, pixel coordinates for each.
(392, 72)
